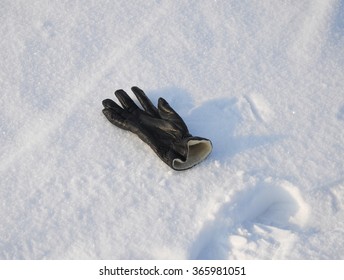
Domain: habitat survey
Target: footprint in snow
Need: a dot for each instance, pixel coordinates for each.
(260, 223)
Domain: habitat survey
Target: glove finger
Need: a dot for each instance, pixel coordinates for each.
(108, 103)
(115, 117)
(126, 101)
(145, 102)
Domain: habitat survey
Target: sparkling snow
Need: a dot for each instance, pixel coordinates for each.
(263, 80)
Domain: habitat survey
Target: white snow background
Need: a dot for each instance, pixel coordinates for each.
(262, 79)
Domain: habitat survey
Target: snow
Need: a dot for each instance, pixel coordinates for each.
(262, 79)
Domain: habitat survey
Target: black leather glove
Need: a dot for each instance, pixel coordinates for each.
(161, 128)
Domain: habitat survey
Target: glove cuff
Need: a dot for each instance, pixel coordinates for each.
(197, 149)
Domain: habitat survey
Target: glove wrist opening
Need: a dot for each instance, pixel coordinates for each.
(197, 150)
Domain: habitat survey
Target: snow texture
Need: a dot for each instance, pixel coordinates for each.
(262, 79)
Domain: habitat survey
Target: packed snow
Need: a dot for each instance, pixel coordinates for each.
(262, 79)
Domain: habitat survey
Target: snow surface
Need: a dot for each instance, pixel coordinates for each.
(262, 79)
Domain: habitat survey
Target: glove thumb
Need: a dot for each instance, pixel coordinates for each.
(166, 112)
